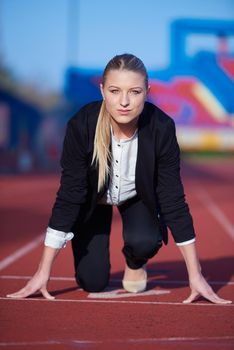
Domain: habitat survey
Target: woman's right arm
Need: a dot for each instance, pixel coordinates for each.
(71, 194)
(38, 283)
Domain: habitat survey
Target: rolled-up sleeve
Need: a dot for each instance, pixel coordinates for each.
(57, 239)
(73, 183)
(170, 191)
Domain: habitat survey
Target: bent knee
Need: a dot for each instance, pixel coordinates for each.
(145, 248)
(92, 285)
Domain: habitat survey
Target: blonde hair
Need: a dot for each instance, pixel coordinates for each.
(101, 152)
(102, 140)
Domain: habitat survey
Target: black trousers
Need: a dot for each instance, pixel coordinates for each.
(141, 235)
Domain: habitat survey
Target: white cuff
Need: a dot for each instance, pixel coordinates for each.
(186, 242)
(57, 239)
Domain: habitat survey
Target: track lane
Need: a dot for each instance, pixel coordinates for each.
(166, 324)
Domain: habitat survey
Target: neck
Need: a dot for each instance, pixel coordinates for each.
(123, 131)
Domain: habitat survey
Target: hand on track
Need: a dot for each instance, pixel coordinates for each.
(38, 283)
(199, 287)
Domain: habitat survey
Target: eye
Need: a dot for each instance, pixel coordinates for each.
(136, 92)
(114, 91)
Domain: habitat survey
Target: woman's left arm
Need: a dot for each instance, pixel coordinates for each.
(176, 212)
(198, 284)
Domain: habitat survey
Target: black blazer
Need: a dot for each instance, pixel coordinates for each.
(158, 181)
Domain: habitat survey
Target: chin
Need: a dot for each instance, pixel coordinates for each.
(124, 121)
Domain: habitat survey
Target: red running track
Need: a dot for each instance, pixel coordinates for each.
(155, 319)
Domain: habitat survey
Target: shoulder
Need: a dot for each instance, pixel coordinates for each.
(162, 127)
(87, 114)
(81, 126)
(83, 123)
(157, 117)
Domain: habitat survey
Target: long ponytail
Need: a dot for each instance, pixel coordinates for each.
(102, 153)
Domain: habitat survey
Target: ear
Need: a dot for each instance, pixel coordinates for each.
(102, 92)
(148, 90)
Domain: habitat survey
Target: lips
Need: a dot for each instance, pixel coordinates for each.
(124, 111)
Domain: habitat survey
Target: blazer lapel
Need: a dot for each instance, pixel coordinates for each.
(145, 166)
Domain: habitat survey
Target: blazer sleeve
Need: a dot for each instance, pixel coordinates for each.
(73, 183)
(170, 191)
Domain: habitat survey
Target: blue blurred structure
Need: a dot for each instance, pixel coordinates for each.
(20, 122)
(81, 86)
(197, 91)
(204, 65)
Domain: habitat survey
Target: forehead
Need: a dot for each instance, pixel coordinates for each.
(124, 78)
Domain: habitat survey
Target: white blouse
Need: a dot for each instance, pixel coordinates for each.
(122, 174)
(121, 185)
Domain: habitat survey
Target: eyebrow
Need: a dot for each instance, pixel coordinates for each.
(114, 86)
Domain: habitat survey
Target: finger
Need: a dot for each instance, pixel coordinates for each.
(19, 294)
(24, 292)
(209, 295)
(224, 301)
(13, 295)
(214, 298)
(46, 294)
(193, 296)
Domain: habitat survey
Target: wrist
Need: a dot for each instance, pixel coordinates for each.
(43, 270)
(195, 276)
(48, 257)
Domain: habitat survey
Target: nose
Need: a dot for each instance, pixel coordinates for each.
(124, 100)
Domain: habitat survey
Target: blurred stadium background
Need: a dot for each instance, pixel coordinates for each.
(195, 86)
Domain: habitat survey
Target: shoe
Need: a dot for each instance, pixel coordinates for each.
(136, 286)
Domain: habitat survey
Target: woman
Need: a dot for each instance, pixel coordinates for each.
(121, 151)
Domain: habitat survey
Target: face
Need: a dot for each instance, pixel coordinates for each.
(124, 93)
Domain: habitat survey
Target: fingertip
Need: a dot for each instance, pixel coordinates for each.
(11, 296)
(221, 301)
(49, 297)
(186, 301)
(189, 300)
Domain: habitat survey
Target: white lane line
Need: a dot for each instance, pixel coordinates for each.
(113, 302)
(32, 343)
(216, 212)
(21, 252)
(116, 280)
(177, 339)
(120, 293)
(13, 277)
(120, 341)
